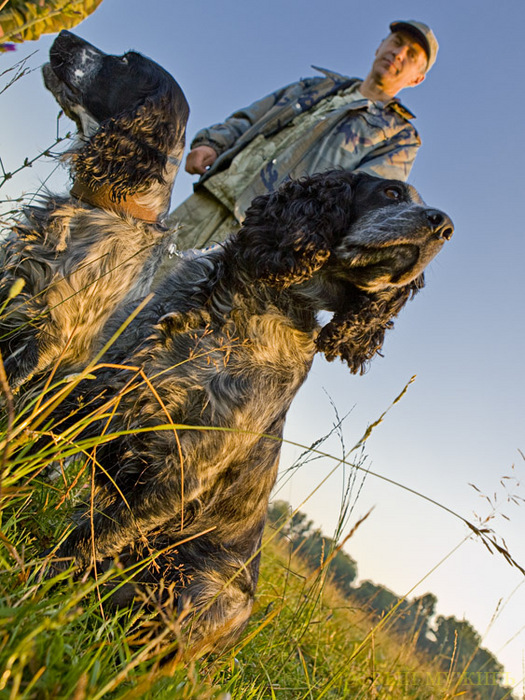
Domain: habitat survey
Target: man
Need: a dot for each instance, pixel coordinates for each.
(310, 126)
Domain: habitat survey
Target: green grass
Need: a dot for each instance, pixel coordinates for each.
(303, 640)
(57, 640)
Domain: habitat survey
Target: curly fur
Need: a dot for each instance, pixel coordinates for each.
(130, 151)
(356, 336)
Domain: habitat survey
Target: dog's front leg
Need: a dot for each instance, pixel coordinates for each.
(215, 606)
(108, 528)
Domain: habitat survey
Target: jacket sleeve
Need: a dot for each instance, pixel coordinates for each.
(27, 20)
(394, 159)
(223, 136)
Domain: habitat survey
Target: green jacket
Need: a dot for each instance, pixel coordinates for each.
(378, 138)
(27, 20)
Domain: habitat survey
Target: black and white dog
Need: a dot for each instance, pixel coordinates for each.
(104, 239)
(193, 396)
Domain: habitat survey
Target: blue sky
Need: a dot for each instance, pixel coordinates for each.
(461, 421)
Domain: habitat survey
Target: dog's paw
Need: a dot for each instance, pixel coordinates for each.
(55, 563)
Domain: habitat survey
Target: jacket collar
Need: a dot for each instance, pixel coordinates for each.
(394, 103)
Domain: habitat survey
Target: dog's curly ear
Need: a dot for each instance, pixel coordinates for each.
(129, 152)
(289, 234)
(357, 335)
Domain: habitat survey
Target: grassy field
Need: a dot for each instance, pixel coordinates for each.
(304, 639)
(57, 640)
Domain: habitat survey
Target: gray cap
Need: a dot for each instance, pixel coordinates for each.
(423, 34)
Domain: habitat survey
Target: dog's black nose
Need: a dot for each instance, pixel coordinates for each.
(66, 44)
(67, 40)
(440, 223)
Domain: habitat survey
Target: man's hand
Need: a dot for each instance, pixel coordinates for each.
(199, 159)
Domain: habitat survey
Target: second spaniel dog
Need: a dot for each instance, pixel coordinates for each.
(199, 385)
(104, 239)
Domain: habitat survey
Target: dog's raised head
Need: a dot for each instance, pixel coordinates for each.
(131, 117)
(356, 243)
(392, 237)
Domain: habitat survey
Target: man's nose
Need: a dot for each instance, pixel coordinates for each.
(400, 52)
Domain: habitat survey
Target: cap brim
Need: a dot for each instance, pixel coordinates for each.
(413, 31)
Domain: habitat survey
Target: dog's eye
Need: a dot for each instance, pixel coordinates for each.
(393, 193)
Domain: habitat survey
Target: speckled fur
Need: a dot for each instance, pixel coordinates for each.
(225, 344)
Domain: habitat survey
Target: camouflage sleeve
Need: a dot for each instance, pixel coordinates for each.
(27, 20)
(395, 158)
(221, 137)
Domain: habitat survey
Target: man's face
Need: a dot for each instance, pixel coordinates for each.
(400, 62)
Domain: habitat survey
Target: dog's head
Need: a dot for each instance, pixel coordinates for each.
(128, 109)
(358, 244)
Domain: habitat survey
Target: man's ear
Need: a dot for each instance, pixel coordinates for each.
(419, 79)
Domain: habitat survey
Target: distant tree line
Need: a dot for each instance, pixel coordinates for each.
(449, 641)
(312, 545)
